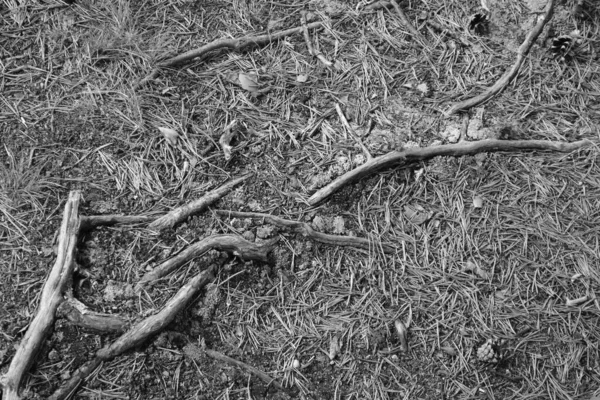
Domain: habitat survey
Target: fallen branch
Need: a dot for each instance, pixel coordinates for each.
(511, 73)
(138, 333)
(52, 296)
(401, 158)
(306, 230)
(80, 315)
(233, 244)
(182, 213)
(234, 44)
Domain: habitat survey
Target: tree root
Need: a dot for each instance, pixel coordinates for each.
(138, 333)
(240, 247)
(404, 157)
(511, 73)
(306, 230)
(52, 296)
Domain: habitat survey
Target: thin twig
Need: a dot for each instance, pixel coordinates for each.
(306, 230)
(180, 214)
(311, 49)
(511, 73)
(402, 158)
(234, 44)
(352, 132)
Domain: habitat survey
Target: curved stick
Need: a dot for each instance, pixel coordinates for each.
(511, 73)
(400, 158)
(230, 243)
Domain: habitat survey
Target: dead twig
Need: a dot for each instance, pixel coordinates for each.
(352, 132)
(404, 157)
(306, 230)
(138, 333)
(180, 214)
(233, 244)
(311, 49)
(513, 71)
(52, 296)
(80, 315)
(238, 44)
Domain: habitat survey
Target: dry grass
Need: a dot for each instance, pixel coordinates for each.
(72, 117)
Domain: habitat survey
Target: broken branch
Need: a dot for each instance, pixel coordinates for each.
(511, 73)
(80, 315)
(404, 157)
(52, 296)
(180, 214)
(233, 244)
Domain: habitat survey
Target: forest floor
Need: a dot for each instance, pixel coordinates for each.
(500, 247)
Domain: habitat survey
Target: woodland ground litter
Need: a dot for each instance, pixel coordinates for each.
(485, 246)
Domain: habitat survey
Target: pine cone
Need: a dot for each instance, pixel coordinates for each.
(561, 46)
(488, 352)
(479, 23)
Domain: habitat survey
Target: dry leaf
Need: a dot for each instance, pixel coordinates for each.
(302, 78)
(170, 135)
(249, 82)
(474, 267)
(416, 214)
